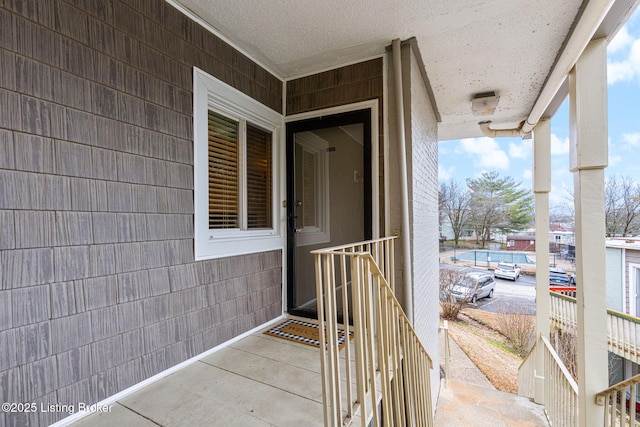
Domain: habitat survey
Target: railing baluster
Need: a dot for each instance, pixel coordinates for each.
(408, 389)
(560, 390)
(359, 335)
(632, 403)
(370, 340)
(347, 308)
(390, 362)
(633, 339)
(623, 329)
(330, 417)
(397, 372)
(331, 332)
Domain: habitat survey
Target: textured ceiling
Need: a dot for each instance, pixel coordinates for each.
(468, 46)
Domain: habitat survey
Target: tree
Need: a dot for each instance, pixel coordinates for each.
(499, 203)
(449, 304)
(563, 212)
(622, 206)
(453, 200)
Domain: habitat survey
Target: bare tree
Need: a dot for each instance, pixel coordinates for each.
(566, 345)
(454, 205)
(563, 212)
(519, 328)
(622, 206)
(449, 304)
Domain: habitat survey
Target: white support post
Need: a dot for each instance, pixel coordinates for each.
(588, 156)
(541, 189)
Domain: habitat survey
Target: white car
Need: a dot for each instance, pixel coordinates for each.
(507, 270)
(473, 286)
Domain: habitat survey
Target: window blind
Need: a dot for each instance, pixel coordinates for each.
(223, 172)
(258, 178)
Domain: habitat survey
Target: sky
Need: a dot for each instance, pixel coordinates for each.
(513, 156)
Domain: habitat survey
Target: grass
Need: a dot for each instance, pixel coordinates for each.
(502, 346)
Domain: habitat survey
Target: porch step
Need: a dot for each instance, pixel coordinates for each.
(468, 405)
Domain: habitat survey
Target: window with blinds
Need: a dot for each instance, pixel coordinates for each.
(236, 158)
(229, 158)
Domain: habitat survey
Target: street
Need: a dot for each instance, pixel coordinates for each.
(508, 296)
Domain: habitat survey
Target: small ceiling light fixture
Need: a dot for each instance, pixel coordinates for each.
(484, 104)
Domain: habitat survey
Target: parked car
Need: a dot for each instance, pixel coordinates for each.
(473, 286)
(559, 277)
(507, 271)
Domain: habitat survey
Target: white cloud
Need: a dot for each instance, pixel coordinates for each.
(621, 41)
(522, 150)
(560, 194)
(631, 139)
(559, 146)
(527, 174)
(486, 153)
(614, 160)
(445, 174)
(446, 147)
(627, 68)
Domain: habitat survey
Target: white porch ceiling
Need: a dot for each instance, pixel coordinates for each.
(468, 46)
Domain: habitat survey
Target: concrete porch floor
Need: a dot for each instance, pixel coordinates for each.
(258, 381)
(262, 380)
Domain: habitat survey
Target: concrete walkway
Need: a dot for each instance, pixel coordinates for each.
(470, 400)
(267, 381)
(462, 368)
(462, 404)
(257, 381)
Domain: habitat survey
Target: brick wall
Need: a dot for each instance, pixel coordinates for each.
(98, 285)
(422, 169)
(423, 143)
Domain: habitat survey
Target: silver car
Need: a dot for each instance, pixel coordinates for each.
(473, 286)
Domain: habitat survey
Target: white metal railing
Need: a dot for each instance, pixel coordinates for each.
(624, 335)
(563, 313)
(621, 405)
(447, 352)
(527, 375)
(390, 368)
(561, 390)
(623, 329)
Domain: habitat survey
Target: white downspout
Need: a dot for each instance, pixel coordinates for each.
(404, 187)
(592, 16)
(497, 133)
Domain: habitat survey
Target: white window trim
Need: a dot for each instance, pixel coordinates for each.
(632, 272)
(315, 235)
(211, 93)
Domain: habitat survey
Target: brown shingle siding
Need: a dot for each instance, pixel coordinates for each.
(349, 84)
(98, 284)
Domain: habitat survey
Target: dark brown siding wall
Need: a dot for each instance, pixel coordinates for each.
(346, 85)
(98, 285)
